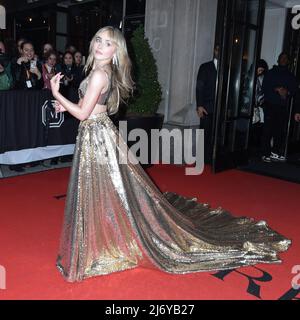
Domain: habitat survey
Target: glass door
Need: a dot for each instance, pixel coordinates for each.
(239, 34)
(292, 46)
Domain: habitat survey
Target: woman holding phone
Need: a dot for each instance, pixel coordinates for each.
(27, 72)
(27, 75)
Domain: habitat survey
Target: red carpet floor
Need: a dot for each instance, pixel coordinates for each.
(31, 218)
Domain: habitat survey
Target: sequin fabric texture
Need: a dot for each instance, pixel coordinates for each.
(116, 219)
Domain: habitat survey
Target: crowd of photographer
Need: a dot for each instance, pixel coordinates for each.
(21, 68)
(24, 69)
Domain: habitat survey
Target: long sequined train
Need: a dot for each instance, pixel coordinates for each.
(117, 219)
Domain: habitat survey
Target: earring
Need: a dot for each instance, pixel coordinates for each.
(115, 61)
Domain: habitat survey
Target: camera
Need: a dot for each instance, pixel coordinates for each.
(68, 72)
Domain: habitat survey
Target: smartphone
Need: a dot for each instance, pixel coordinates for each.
(32, 64)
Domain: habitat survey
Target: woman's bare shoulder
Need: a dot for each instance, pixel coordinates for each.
(99, 76)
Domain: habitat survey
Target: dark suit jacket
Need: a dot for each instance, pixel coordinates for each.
(278, 77)
(206, 86)
(20, 76)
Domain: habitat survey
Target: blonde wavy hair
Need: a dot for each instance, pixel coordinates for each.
(121, 80)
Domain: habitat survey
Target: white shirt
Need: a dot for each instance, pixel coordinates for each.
(216, 63)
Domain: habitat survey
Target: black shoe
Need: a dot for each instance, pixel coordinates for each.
(34, 164)
(17, 168)
(54, 161)
(266, 159)
(66, 159)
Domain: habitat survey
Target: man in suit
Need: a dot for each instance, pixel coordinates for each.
(279, 86)
(205, 99)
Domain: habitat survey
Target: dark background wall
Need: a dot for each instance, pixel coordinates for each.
(38, 20)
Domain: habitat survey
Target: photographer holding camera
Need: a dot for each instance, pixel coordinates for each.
(27, 72)
(6, 79)
(69, 87)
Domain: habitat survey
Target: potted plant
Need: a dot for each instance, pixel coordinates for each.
(141, 110)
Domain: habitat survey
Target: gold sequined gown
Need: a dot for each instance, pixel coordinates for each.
(117, 219)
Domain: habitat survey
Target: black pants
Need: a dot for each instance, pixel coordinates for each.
(275, 118)
(255, 139)
(206, 123)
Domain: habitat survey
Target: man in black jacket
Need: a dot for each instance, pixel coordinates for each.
(279, 86)
(205, 99)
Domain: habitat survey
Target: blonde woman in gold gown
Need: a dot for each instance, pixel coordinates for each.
(115, 217)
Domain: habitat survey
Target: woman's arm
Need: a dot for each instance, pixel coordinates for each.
(60, 108)
(82, 110)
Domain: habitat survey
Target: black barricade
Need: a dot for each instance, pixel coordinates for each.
(28, 120)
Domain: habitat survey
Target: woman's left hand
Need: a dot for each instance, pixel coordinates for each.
(55, 82)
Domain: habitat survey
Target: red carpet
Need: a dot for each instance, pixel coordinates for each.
(31, 218)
